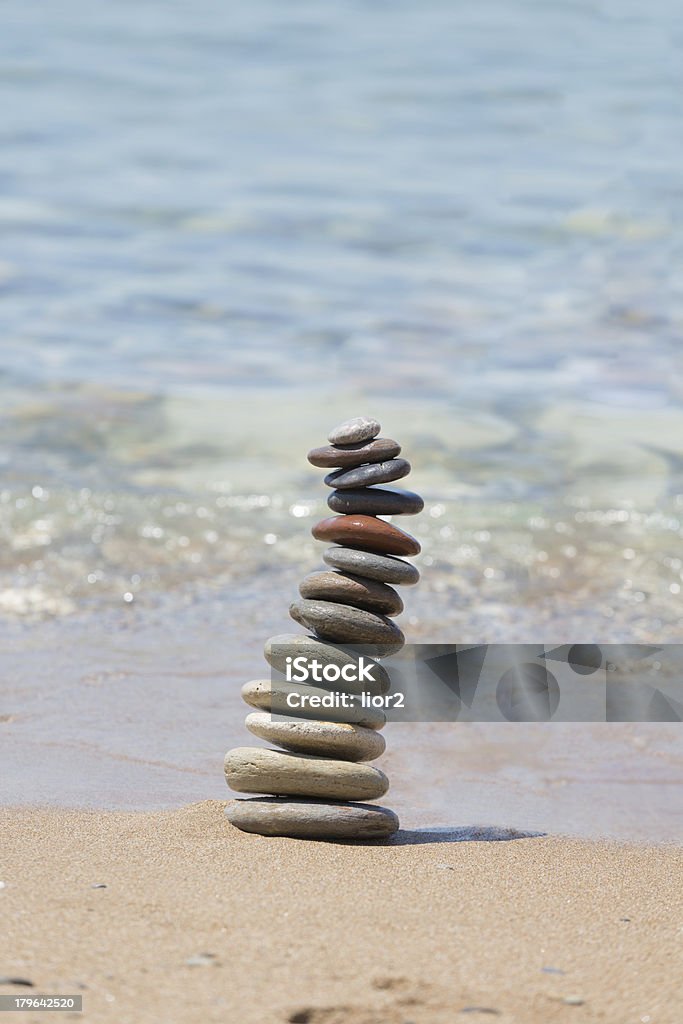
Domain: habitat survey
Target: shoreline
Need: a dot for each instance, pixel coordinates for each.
(200, 922)
(76, 733)
(407, 835)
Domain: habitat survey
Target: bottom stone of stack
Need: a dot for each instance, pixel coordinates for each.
(260, 770)
(311, 819)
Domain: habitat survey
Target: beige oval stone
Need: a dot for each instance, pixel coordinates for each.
(266, 695)
(311, 819)
(326, 739)
(259, 770)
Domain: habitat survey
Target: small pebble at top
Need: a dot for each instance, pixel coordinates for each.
(367, 533)
(360, 428)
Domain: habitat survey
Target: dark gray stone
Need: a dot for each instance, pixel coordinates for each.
(348, 455)
(384, 568)
(349, 589)
(369, 533)
(363, 476)
(376, 501)
(346, 624)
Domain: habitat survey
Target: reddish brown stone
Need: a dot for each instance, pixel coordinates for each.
(347, 456)
(366, 533)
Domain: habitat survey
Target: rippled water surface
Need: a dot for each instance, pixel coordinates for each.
(225, 227)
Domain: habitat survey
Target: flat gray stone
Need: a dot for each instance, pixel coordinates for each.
(295, 645)
(378, 450)
(363, 476)
(376, 501)
(310, 702)
(325, 739)
(311, 819)
(360, 428)
(385, 568)
(349, 625)
(346, 588)
(259, 770)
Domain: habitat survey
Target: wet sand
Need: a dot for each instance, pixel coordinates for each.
(201, 923)
(141, 721)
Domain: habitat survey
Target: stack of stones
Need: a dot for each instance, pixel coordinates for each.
(319, 775)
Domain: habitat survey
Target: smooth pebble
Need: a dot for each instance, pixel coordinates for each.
(376, 567)
(346, 624)
(363, 476)
(278, 648)
(326, 739)
(349, 455)
(376, 501)
(311, 819)
(259, 770)
(349, 589)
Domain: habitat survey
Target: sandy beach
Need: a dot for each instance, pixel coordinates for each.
(199, 922)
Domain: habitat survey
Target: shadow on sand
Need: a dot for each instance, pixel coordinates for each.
(463, 834)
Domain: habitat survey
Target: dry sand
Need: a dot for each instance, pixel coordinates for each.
(528, 930)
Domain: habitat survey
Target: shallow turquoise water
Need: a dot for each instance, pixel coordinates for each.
(225, 227)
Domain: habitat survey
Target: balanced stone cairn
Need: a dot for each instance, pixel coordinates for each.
(318, 777)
